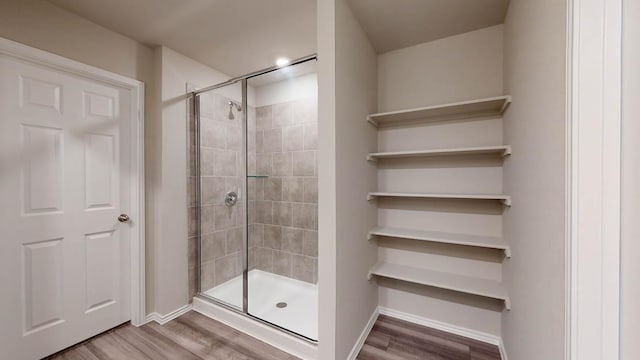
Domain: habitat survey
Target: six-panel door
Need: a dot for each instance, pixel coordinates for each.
(64, 179)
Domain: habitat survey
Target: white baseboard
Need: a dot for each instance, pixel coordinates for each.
(453, 329)
(503, 350)
(276, 338)
(163, 319)
(363, 336)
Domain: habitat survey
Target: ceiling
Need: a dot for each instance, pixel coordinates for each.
(241, 36)
(283, 74)
(395, 24)
(233, 36)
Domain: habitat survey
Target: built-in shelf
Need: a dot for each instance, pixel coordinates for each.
(258, 176)
(489, 242)
(502, 150)
(460, 110)
(505, 199)
(449, 281)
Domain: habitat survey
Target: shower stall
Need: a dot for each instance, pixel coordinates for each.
(254, 189)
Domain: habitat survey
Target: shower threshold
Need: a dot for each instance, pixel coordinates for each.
(285, 302)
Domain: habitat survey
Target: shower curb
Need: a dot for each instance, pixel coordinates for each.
(276, 338)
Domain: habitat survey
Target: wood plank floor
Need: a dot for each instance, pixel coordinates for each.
(191, 336)
(393, 339)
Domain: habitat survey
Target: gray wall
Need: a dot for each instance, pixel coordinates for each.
(534, 176)
(630, 247)
(170, 250)
(461, 67)
(45, 26)
(347, 93)
(326, 182)
(356, 79)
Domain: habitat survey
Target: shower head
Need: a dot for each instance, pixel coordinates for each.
(233, 104)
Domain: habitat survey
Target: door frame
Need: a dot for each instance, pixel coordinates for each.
(137, 187)
(593, 188)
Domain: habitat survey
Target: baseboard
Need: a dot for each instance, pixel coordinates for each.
(363, 336)
(503, 350)
(453, 329)
(163, 319)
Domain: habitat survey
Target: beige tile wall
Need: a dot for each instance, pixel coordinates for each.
(220, 170)
(283, 205)
(283, 216)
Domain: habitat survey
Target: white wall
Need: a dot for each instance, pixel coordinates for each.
(630, 246)
(460, 67)
(304, 86)
(534, 176)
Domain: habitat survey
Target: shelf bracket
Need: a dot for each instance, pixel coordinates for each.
(370, 197)
(372, 159)
(506, 152)
(372, 122)
(507, 202)
(507, 102)
(507, 304)
(369, 276)
(507, 252)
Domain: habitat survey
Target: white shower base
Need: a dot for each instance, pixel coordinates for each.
(265, 291)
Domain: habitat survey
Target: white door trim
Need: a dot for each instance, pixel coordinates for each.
(594, 29)
(43, 58)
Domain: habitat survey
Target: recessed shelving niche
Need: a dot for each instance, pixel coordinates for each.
(417, 273)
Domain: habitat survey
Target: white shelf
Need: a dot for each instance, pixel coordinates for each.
(445, 238)
(460, 110)
(503, 150)
(455, 282)
(505, 199)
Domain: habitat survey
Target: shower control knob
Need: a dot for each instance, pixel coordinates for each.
(230, 198)
(123, 218)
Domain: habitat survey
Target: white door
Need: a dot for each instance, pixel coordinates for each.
(64, 180)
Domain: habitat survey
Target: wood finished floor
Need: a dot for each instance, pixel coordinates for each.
(191, 336)
(393, 339)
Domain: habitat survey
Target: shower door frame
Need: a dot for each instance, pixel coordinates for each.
(194, 98)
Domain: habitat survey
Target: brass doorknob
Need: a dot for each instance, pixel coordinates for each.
(123, 218)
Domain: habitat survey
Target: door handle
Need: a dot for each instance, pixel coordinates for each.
(123, 218)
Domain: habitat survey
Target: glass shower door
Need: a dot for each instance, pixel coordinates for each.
(256, 187)
(283, 199)
(220, 180)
